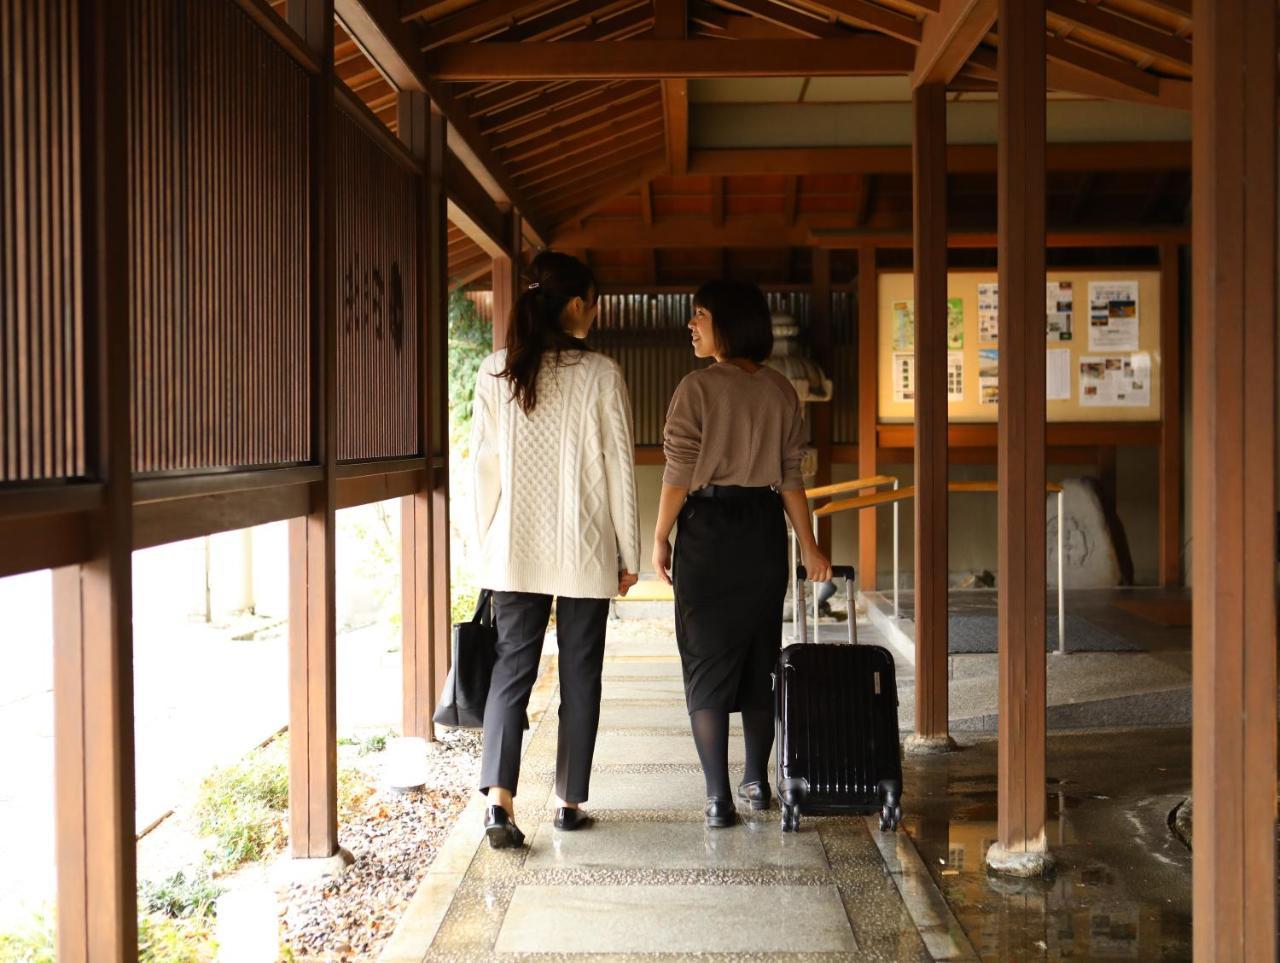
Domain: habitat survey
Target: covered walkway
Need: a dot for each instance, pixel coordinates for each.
(649, 878)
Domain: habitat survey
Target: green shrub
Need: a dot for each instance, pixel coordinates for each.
(165, 940)
(470, 341)
(34, 943)
(242, 806)
(180, 896)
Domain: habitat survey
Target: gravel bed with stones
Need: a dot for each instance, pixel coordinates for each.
(394, 837)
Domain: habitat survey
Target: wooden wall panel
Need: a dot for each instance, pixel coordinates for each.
(377, 225)
(844, 369)
(42, 429)
(218, 228)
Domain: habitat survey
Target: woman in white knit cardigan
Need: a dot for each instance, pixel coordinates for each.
(556, 516)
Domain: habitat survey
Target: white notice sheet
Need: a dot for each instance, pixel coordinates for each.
(1057, 375)
(1113, 316)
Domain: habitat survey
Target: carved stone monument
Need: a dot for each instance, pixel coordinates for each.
(1090, 555)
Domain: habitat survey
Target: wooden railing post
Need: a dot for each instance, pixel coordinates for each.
(824, 355)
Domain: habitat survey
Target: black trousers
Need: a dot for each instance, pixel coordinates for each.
(521, 619)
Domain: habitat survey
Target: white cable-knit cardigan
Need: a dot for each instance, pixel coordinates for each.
(555, 491)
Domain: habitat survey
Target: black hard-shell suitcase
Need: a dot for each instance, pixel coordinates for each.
(836, 716)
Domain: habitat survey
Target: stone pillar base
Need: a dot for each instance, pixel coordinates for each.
(928, 745)
(301, 869)
(1021, 864)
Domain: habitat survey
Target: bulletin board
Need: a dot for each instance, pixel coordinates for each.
(1119, 383)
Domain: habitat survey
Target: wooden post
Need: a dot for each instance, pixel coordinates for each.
(868, 405)
(413, 112)
(1233, 756)
(824, 355)
(1170, 416)
(313, 738)
(1021, 848)
(929, 178)
(506, 282)
(436, 287)
(92, 602)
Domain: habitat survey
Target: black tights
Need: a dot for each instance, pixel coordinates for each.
(711, 736)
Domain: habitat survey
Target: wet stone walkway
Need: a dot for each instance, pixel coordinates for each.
(649, 880)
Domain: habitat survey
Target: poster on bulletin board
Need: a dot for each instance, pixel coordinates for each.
(1102, 346)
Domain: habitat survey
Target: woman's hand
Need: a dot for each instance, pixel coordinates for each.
(816, 565)
(625, 581)
(662, 558)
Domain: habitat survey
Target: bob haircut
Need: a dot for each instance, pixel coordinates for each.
(740, 317)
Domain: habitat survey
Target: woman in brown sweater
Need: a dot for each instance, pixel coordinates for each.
(734, 439)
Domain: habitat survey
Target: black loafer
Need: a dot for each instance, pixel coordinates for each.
(721, 813)
(755, 793)
(501, 830)
(570, 819)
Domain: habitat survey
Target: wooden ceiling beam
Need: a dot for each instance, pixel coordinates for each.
(478, 20)
(534, 126)
(586, 97)
(591, 131)
(582, 20)
(1072, 67)
(585, 175)
(392, 45)
(584, 205)
(860, 13)
(717, 24)
(471, 208)
(961, 159)
(671, 23)
(646, 202)
(570, 169)
(800, 24)
(949, 37)
(1147, 39)
(860, 55)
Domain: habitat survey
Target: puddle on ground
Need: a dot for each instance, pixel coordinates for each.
(1085, 911)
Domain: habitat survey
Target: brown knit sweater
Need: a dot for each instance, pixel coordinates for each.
(726, 426)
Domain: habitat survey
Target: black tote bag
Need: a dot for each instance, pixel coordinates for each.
(466, 688)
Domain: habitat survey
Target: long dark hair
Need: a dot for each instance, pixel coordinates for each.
(555, 279)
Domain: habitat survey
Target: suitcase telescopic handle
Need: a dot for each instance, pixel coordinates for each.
(845, 572)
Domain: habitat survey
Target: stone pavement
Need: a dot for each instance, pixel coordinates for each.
(649, 880)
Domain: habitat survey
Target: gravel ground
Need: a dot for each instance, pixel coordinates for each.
(394, 838)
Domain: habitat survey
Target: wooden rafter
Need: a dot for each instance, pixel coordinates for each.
(592, 134)
(860, 13)
(671, 23)
(800, 24)
(582, 205)
(583, 20)
(949, 37)
(860, 55)
(1146, 39)
(602, 166)
(524, 124)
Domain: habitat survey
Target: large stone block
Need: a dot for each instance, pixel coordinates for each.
(1090, 556)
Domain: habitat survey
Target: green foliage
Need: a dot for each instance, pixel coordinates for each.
(180, 896)
(244, 806)
(34, 943)
(470, 341)
(466, 593)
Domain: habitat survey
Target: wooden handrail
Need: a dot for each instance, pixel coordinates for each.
(826, 491)
(884, 498)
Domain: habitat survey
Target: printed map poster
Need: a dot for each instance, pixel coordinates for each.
(1113, 315)
(904, 325)
(1059, 301)
(988, 313)
(1116, 380)
(904, 376)
(955, 376)
(955, 323)
(988, 376)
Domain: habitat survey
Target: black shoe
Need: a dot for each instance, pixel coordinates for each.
(721, 813)
(501, 830)
(755, 793)
(570, 819)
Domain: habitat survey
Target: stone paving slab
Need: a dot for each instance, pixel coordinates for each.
(679, 789)
(665, 715)
(647, 669)
(644, 690)
(676, 846)
(674, 919)
(619, 749)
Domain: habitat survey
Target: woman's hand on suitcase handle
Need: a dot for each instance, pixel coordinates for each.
(626, 580)
(817, 566)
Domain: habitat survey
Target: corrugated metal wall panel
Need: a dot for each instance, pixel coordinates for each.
(377, 237)
(42, 424)
(219, 128)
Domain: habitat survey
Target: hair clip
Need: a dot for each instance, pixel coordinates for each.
(533, 286)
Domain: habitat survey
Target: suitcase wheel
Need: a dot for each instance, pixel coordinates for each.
(890, 816)
(790, 818)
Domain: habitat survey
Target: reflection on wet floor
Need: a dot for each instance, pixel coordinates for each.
(1122, 886)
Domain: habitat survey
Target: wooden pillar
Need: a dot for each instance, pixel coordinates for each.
(824, 355)
(313, 756)
(413, 114)
(436, 287)
(868, 405)
(1021, 848)
(1170, 416)
(506, 282)
(92, 624)
(1233, 768)
(929, 192)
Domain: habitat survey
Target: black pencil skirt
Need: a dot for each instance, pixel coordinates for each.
(730, 577)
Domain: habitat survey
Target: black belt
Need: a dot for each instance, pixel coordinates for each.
(730, 491)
